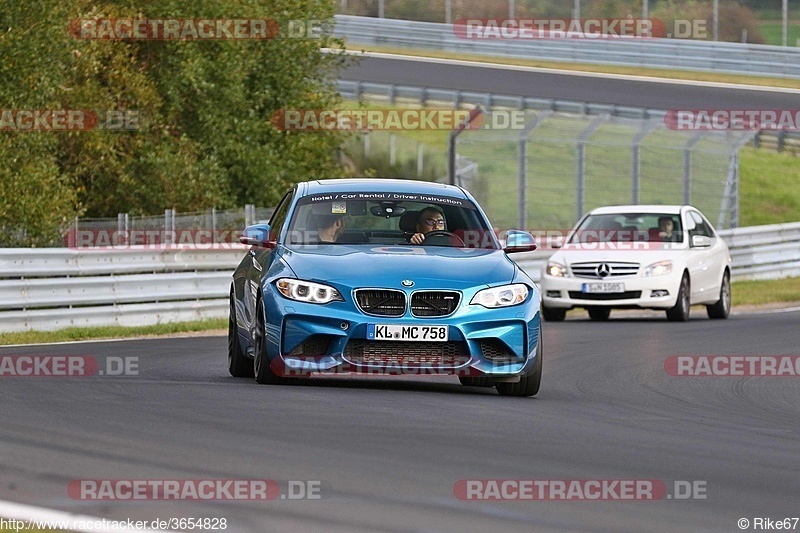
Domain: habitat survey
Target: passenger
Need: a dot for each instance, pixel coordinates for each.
(329, 228)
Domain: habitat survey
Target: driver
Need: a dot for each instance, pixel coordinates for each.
(430, 219)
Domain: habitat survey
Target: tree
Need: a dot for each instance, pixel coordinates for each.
(200, 111)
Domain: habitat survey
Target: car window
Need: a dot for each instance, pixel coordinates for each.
(701, 227)
(279, 216)
(390, 219)
(628, 227)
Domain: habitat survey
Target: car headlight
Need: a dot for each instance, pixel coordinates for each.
(307, 291)
(503, 296)
(661, 268)
(557, 270)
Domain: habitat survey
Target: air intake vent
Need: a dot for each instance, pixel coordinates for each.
(381, 302)
(434, 303)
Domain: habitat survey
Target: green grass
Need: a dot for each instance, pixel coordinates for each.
(765, 291)
(773, 32)
(110, 332)
(769, 187)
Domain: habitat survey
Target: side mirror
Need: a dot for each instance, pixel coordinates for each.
(701, 241)
(257, 235)
(519, 241)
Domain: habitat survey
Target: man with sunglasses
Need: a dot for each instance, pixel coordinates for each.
(430, 219)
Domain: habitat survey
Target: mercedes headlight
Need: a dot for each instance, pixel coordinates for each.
(557, 270)
(504, 296)
(661, 268)
(307, 291)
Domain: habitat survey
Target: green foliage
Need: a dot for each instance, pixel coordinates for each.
(203, 135)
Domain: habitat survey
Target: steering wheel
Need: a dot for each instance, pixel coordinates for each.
(441, 235)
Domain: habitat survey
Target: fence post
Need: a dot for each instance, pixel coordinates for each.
(687, 167)
(580, 177)
(169, 226)
(249, 214)
(420, 153)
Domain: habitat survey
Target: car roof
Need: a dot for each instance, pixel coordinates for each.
(382, 185)
(621, 209)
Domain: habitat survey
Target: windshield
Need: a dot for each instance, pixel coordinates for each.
(629, 227)
(389, 219)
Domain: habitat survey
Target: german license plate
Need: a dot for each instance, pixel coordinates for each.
(603, 287)
(398, 332)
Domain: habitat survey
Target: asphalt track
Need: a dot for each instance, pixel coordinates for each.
(388, 452)
(604, 89)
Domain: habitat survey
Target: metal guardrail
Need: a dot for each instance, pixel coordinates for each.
(394, 93)
(55, 288)
(48, 289)
(702, 56)
(757, 253)
(781, 140)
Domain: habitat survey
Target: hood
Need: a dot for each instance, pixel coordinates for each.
(387, 266)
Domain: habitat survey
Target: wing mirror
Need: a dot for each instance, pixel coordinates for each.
(257, 235)
(519, 241)
(701, 241)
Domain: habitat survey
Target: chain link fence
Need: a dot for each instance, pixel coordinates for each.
(561, 165)
(201, 228)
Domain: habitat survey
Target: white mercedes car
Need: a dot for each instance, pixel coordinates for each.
(639, 256)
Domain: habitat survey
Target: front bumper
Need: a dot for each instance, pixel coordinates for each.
(657, 292)
(305, 339)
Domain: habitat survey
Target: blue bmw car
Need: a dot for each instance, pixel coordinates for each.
(384, 277)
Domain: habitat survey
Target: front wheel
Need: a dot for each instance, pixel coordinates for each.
(528, 385)
(722, 308)
(239, 365)
(680, 311)
(554, 315)
(261, 364)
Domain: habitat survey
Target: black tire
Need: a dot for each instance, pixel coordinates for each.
(722, 308)
(528, 385)
(599, 313)
(472, 381)
(239, 365)
(261, 366)
(554, 315)
(680, 311)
